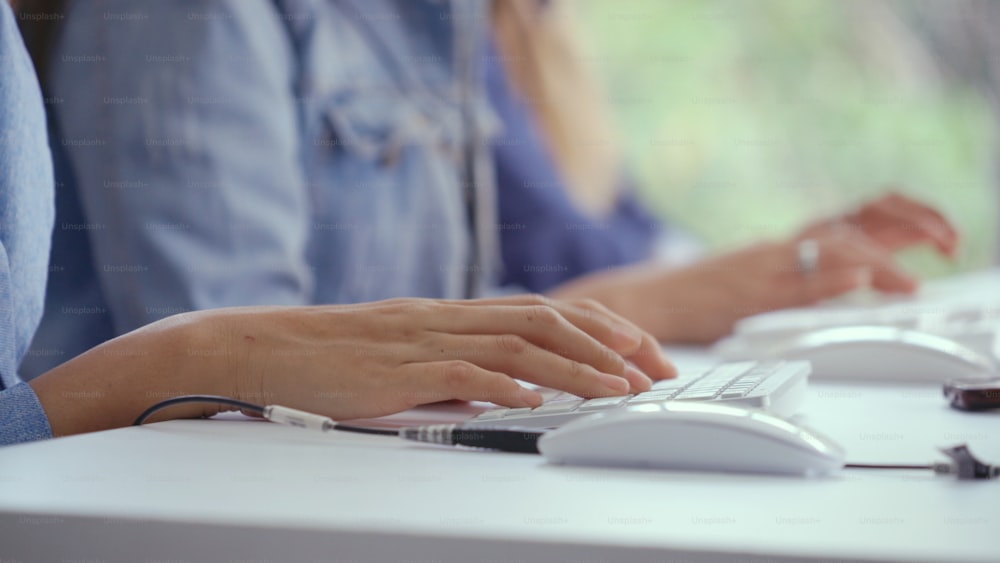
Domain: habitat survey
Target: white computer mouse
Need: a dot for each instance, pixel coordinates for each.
(692, 437)
(881, 353)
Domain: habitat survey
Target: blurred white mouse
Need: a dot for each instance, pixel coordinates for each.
(882, 353)
(693, 437)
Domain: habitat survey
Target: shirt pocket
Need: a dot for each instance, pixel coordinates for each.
(386, 192)
(380, 126)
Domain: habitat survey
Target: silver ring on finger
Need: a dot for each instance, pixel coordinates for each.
(808, 254)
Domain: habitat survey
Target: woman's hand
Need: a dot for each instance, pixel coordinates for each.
(700, 303)
(893, 221)
(355, 361)
(380, 358)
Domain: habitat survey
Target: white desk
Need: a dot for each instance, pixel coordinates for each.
(253, 491)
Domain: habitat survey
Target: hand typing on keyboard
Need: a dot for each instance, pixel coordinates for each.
(700, 303)
(893, 222)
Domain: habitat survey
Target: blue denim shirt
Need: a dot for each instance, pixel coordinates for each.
(25, 227)
(233, 152)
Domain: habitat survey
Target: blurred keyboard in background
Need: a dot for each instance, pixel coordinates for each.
(965, 309)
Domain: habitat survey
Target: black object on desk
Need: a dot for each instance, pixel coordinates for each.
(969, 395)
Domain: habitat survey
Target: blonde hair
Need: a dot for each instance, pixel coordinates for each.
(543, 54)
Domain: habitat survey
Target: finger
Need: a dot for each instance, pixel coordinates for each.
(541, 325)
(607, 327)
(828, 284)
(518, 358)
(833, 276)
(858, 251)
(431, 382)
(895, 229)
(648, 355)
(846, 262)
(637, 381)
(618, 334)
(934, 223)
(898, 221)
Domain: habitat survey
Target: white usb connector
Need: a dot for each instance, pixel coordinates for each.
(301, 419)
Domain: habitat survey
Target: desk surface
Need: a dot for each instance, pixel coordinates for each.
(240, 490)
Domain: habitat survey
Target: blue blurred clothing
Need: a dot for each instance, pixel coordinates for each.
(546, 239)
(26, 215)
(243, 152)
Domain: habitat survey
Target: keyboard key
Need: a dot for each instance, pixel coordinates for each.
(700, 392)
(672, 386)
(693, 395)
(558, 406)
(659, 394)
(551, 395)
(602, 403)
(643, 398)
(517, 412)
(492, 415)
(731, 371)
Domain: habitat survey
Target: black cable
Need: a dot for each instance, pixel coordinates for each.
(876, 466)
(256, 409)
(508, 440)
(366, 430)
(251, 407)
(520, 440)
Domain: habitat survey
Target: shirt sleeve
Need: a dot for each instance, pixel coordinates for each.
(182, 129)
(26, 217)
(535, 204)
(22, 418)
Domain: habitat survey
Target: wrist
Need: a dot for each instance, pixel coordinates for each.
(200, 350)
(223, 352)
(109, 385)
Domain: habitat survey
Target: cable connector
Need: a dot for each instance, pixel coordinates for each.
(964, 465)
(516, 440)
(431, 434)
(300, 419)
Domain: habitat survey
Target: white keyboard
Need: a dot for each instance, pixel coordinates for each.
(778, 387)
(973, 324)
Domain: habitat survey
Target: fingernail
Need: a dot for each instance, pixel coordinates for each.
(613, 382)
(530, 398)
(639, 380)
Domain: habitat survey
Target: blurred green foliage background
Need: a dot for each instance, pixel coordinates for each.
(745, 119)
